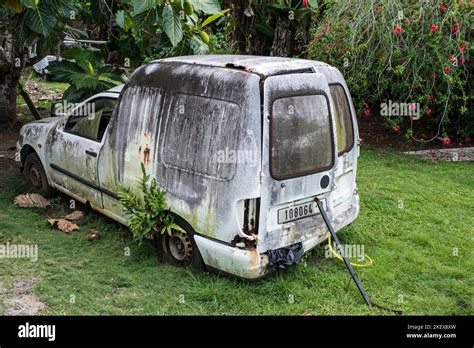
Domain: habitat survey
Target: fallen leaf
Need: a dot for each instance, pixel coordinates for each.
(75, 215)
(307, 314)
(31, 200)
(93, 235)
(63, 224)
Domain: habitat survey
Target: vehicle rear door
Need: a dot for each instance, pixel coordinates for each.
(299, 153)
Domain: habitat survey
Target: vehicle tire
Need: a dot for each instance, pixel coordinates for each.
(180, 249)
(36, 176)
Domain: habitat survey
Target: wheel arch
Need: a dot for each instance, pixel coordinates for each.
(25, 151)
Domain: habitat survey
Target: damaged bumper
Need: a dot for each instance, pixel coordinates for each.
(287, 251)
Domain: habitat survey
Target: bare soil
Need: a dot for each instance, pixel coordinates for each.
(18, 300)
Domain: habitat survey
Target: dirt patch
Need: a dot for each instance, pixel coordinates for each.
(19, 301)
(8, 164)
(457, 154)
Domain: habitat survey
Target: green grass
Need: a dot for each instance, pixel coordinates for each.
(23, 113)
(413, 214)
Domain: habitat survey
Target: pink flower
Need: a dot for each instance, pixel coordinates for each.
(434, 27)
(447, 69)
(431, 98)
(305, 3)
(367, 112)
(443, 8)
(456, 27)
(428, 111)
(412, 106)
(396, 128)
(397, 30)
(446, 141)
(462, 48)
(461, 61)
(452, 59)
(311, 43)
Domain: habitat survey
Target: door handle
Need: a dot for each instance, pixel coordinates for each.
(91, 153)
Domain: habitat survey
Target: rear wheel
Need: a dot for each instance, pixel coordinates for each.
(180, 248)
(36, 176)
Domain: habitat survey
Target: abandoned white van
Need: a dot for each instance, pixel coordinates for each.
(242, 145)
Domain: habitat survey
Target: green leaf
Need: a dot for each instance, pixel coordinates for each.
(207, 6)
(140, 6)
(41, 20)
(197, 45)
(172, 25)
(212, 18)
(120, 18)
(33, 4)
(63, 7)
(146, 19)
(83, 80)
(62, 71)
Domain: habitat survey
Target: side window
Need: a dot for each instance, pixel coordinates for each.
(197, 130)
(344, 129)
(90, 121)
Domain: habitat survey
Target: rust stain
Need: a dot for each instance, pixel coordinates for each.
(40, 146)
(146, 155)
(254, 259)
(140, 150)
(146, 135)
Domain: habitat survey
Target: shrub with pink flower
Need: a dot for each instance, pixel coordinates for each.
(420, 55)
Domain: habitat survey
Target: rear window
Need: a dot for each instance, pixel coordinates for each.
(301, 136)
(344, 130)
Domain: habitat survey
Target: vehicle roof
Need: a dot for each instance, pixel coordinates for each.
(255, 64)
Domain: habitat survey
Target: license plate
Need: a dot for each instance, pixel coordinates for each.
(300, 211)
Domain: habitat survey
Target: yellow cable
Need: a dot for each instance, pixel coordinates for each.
(339, 257)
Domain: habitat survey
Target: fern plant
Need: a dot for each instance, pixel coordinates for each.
(148, 212)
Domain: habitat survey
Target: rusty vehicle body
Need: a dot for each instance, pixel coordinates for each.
(241, 144)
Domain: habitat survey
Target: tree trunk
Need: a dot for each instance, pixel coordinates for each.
(29, 102)
(10, 72)
(281, 40)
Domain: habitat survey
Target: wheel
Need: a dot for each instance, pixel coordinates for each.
(36, 176)
(179, 248)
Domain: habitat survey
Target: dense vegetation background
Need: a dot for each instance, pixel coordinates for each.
(415, 52)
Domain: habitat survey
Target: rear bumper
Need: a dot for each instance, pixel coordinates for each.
(253, 264)
(244, 263)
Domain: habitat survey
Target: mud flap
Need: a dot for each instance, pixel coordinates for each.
(285, 257)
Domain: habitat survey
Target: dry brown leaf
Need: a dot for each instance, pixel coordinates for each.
(93, 235)
(75, 215)
(31, 200)
(64, 225)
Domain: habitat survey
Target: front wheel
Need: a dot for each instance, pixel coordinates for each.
(180, 248)
(36, 176)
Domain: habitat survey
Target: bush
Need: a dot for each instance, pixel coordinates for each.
(404, 52)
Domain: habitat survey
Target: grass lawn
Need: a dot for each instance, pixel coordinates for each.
(416, 216)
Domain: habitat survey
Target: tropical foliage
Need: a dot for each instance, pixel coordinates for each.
(405, 52)
(85, 72)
